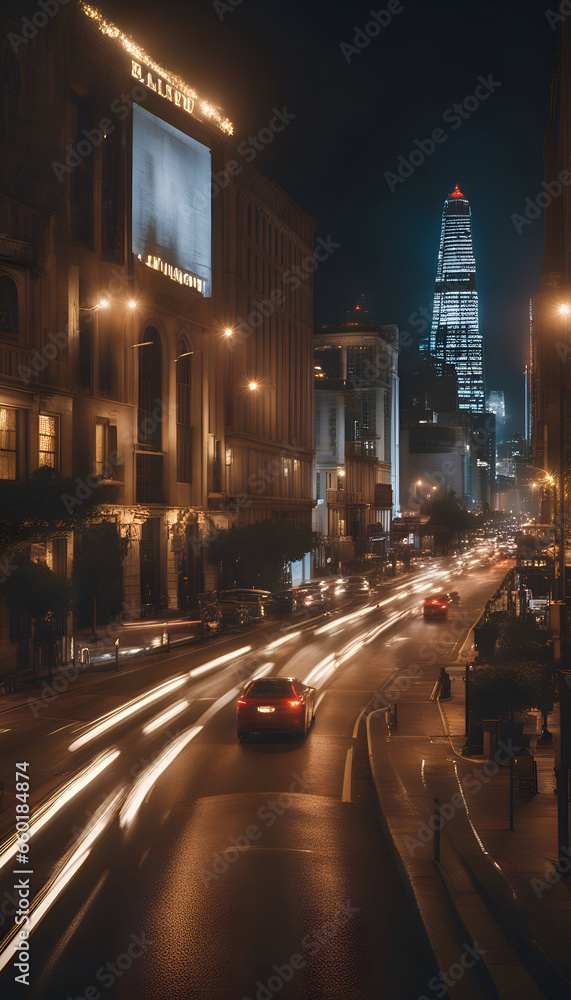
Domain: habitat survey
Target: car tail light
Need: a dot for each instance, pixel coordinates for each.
(295, 704)
(242, 701)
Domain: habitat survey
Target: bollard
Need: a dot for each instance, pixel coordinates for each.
(116, 655)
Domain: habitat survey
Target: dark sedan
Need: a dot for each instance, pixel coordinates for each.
(275, 704)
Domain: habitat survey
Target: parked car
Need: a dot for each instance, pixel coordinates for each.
(242, 606)
(436, 606)
(275, 704)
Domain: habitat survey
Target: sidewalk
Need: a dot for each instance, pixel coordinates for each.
(492, 886)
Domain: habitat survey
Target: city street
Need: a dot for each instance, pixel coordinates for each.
(184, 864)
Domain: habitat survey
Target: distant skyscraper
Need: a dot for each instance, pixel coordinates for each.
(497, 403)
(455, 335)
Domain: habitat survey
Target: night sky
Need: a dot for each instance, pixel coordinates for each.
(358, 112)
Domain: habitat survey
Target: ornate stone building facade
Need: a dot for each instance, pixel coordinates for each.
(154, 335)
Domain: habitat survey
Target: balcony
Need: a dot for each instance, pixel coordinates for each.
(16, 362)
(345, 497)
(383, 496)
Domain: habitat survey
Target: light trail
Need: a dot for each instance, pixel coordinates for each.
(219, 661)
(106, 722)
(69, 867)
(170, 713)
(145, 782)
(49, 809)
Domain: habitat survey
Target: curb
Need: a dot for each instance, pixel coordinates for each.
(436, 893)
(430, 875)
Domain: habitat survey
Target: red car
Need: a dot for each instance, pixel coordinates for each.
(436, 606)
(275, 704)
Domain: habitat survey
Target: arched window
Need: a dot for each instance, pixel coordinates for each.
(183, 418)
(8, 305)
(150, 390)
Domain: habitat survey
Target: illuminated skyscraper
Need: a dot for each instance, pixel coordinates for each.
(455, 335)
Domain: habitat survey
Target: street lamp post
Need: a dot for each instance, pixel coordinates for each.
(561, 770)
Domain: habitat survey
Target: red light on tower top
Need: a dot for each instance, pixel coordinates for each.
(456, 193)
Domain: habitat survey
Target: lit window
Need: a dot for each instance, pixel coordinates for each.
(49, 443)
(8, 443)
(106, 457)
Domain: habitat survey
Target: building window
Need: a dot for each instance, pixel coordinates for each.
(106, 458)
(49, 440)
(11, 92)
(150, 384)
(8, 443)
(183, 425)
(8, 305)
(81, 177)
(150, 478)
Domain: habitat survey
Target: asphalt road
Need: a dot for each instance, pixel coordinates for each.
(175, 863)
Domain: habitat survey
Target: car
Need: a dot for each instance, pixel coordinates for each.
(242, 606)
(312, 598)
(275, 704)
(289, 600)
(357, 585)
(436, 606)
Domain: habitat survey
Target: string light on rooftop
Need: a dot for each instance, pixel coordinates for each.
(172, 80)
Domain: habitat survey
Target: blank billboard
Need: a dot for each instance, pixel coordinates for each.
(171, 200)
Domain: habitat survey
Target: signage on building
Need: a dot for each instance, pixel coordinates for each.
(183, 277)
(161, 87)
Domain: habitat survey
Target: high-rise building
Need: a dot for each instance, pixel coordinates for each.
(455, 337)
(357, 436)
(497, 404)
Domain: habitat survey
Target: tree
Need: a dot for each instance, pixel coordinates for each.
(37, 591)
(44, 506)
(519, 674)
(257, 554)
(98, 573)
(494, 690)
(448, 518)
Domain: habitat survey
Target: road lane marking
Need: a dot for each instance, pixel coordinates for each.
(359, 717)
(347, 776)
